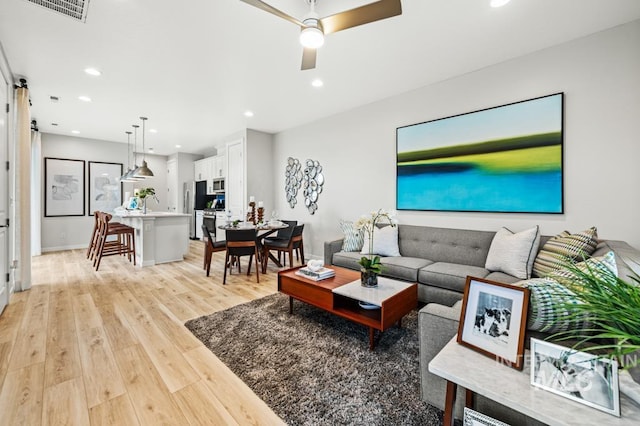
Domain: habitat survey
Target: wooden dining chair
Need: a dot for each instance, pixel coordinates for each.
(281, 237)
(241, 242)
(210, 247)
(285, 246)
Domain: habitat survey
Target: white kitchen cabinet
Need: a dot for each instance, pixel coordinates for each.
(220, 167)
(201, 169)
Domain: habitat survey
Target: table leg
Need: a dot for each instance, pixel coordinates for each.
(449, 403)
(290, 305)
(468, 398)
(372, 338)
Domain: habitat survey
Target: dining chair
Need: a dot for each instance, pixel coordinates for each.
(241, 242)
(210, 247)
(284, 246)
(281, 236)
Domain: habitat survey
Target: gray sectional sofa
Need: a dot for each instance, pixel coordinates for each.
(439, 260)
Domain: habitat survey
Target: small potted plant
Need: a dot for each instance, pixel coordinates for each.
(143, 193)
(370, 264)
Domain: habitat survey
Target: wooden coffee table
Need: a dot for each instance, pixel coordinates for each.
(342, 293)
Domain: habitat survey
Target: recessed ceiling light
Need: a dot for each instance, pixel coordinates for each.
(153, 131)
(84, 98)
(499, 3)
(178, 146)
(75, 132)
(92, 71)
(248, 113)
(317, 83)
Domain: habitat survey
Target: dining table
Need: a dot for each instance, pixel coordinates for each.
(263, 230)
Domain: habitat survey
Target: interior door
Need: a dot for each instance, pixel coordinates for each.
(4, 194)
(235, 200)
(172, 186)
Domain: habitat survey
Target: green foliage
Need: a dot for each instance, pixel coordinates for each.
(146, 192)
(612, 306)
(372, 265)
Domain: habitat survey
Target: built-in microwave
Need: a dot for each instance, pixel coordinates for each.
(218, 185)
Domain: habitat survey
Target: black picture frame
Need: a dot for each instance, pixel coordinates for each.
(503, 159)
(105, 188)
(64, 184)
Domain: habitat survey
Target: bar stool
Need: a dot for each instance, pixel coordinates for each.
(123, 244)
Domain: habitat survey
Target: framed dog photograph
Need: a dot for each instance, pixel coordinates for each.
(493, 320)
(576, 375)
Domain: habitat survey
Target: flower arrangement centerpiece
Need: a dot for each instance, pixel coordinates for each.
(370, 264)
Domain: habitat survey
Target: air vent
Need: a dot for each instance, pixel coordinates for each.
(76, 9)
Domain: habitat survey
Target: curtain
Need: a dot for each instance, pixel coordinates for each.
(23, 189)
(36, 191)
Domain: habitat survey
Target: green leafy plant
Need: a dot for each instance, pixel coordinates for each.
(146, 192)
(612, 307)
(367, 224)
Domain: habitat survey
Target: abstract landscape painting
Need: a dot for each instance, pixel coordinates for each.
(502, 159)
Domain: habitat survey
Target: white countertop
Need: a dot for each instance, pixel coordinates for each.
(138, 213)
(386, 288)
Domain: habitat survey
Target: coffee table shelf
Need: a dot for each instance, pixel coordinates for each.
(340, 295)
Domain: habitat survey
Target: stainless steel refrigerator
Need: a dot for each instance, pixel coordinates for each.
(194, 202)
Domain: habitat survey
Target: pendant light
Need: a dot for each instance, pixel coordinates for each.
(126, 177)
(131, 174)
(143, 171)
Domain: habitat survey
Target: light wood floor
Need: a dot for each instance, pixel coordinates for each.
(110, 347)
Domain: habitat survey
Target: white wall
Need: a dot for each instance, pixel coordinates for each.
(259, 163)
(61, 233)
(600, 76)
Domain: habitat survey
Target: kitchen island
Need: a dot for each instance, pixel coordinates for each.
(161, 237)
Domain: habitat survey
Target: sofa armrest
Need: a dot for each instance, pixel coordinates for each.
(437, 324)
(330, 248)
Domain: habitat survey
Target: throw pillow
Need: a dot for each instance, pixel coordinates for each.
(353, 238)
(562, 248)
(513, 253)
(385, 241)
(595, 265)
(548, 307)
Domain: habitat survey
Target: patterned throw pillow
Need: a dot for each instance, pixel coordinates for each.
(353, 238)
(562, 248)
(595, 265)
(546, 310)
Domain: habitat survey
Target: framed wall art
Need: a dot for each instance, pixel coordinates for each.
(105, 188)
(493, 320)
(503, 159)
(64, 187)
(579, 376)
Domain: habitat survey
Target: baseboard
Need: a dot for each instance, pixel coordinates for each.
(63, 248)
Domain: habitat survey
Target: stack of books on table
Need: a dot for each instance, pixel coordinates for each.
(321, 274)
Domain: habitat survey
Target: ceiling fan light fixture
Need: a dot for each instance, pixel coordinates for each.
(311, 37)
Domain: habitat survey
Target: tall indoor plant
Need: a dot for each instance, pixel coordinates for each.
(370, 264)
(612, 306)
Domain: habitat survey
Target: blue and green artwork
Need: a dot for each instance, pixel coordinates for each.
(502, 159)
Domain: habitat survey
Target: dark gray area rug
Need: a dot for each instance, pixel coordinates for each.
(314, 368)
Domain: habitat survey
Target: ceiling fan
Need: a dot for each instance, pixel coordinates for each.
(313, 28)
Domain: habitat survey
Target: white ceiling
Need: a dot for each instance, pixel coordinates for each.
(193, 67)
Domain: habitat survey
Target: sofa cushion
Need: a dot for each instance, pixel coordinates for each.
(562, 248)
(501, 277)
(594, 264)
(462, 246)
(347, 259)
(513, 253)
(451, 276)
(403, 268)
(385, 241)
(353, 237)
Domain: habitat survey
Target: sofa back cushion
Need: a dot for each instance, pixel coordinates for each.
(461, 246)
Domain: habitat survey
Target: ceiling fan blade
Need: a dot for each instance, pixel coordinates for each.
(268, 8)
(308, 59)
(372, 12)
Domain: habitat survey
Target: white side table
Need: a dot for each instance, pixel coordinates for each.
(484, 376)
